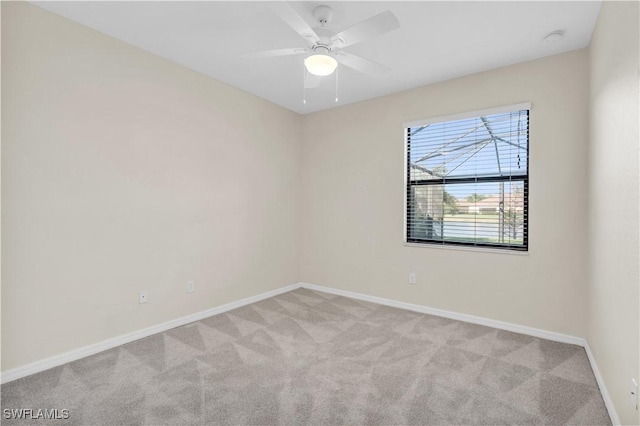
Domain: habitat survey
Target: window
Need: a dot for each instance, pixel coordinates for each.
(468, 179)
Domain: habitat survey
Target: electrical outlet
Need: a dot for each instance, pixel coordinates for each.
(633, 396)
(144, 296)
(412, 278)
(191, 286)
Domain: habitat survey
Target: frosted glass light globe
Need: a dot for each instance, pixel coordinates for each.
(320, 65)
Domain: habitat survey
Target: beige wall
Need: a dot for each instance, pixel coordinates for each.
(122, 171)
(353, 200)
(614, 274)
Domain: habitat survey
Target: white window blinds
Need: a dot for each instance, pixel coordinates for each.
(468, 180)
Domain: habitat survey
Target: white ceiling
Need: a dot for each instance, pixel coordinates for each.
(436, 41)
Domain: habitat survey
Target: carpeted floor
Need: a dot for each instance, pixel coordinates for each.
(306, 357)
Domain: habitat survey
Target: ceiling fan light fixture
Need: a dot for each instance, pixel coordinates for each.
(320, 65)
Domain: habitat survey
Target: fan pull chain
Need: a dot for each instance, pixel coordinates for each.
(337, 68)
(304, 86)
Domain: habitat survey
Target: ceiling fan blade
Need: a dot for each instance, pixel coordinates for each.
(275, 52)
(378, 24)
(361, 64)
(311, 81)
(295, 21)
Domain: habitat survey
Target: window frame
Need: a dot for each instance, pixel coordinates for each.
(485, 247)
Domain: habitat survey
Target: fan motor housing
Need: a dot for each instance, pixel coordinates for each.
(326, 35)
(320, 49)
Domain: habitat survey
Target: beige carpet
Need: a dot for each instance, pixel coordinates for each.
(306, 357)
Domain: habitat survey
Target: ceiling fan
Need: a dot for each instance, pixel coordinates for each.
(325, 45)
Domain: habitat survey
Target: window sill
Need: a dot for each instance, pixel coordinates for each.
(468, 248)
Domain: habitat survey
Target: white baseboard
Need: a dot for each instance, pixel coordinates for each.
(45, 364)
(54, 361)
(608, 402)
(530, 331)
